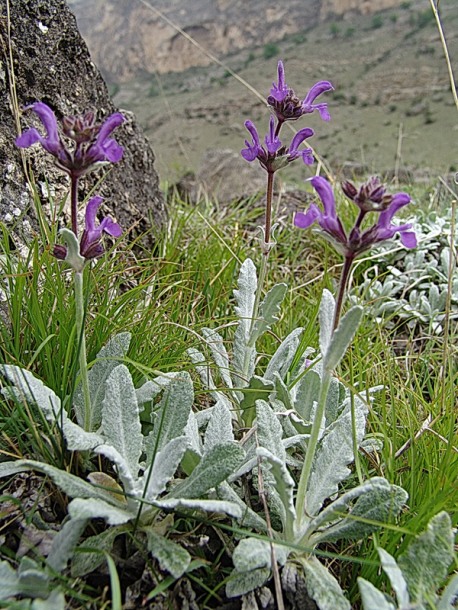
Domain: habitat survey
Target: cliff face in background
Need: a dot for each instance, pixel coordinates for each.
(128, 38)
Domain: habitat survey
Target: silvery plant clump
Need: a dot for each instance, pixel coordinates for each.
(414, 287)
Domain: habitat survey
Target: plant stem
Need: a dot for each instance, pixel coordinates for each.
(74, 202)
(82, 357)
(342, 288)
(312, 445)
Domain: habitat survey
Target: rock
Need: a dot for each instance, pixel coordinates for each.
(51, 63)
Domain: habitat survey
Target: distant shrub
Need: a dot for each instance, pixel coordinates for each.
(392, 107)
(334, 30)
(270, 50)
(405, 5)
(349, 32)
(377, 22)
(393, 18)
(424, 18)
(299, 38)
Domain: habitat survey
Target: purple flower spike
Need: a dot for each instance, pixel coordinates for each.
(91, 142)
(287, 106)
(280, 90)
(385, 230)
(90, 245)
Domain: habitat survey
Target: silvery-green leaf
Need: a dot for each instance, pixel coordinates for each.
(427, 558)
(322, 587)
(220, 356)
(129, 480)
(172, 414)
(397, 580)
(282, 393)
(73, 256)
(244, 356)
(55, 601)
(282, 359)
(241, 583)
(202, 367)
(65, 542)
(164, 467)
(72, 485)
(33, 580)
(219, 428)
(120, 417)
(211, 506)
(342, 337)
(194, 452)
(249, 519)
(449, 595)
(269, 312)
(269, 430)
(335, 452)
(9, 580)
(258, 388)
(375, 500)
(326, 317)
(307, 392)
(253, 553)
(107, 359)
(215, 466)
(372, 598)
(284, 486)
(86, 562)
(29, 388)
(171, 556)
(91, 508)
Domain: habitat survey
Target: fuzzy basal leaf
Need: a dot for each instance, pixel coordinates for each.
(210, 506)
(219, 428)
(107, 359)
(372, 598)
(335, 452)
(171, 556)
(244, 582)
(322, 587)
(164, 467)
(245, 297)
(216, 345)
(283, 356)
(214, 468)
(9, 580)
(90, 508)
(172, 414)
(397, 580)
(120, 417)
(269, 312)
(428, 557)
(284, 486)
(269, 432)
(342, 337)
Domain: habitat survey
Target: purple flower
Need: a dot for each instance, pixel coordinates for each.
(358, 240)
(92, 142)
(288, 107)
(328, 219)
(274, 155)
(90, 244)
(370, 197)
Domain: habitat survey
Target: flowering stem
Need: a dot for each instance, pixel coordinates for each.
(79, 315)
(312, 445)
(268, 223)
(348, 262)
(74, 202)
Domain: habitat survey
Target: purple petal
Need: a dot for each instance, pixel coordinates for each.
(408, 239)
(399, 200)
(113, 121)
(304, 220)
(91, 212)
(109, 226)
(300, 136)
(251, 151)
(307, 156)
(323, 110)
(279, 90)
(52, 142)
(318, 88)
(113, 152)
(273, 142)
(326, 194)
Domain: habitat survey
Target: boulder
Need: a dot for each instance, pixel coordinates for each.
(44, 58)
